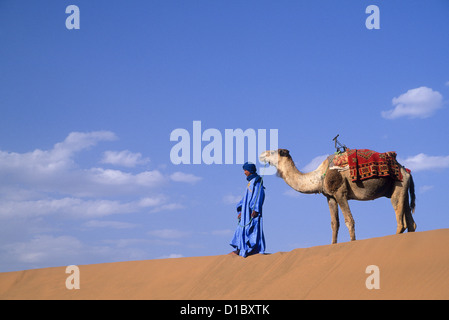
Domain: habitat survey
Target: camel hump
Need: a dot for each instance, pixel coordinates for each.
(391, 154)
(340, 159)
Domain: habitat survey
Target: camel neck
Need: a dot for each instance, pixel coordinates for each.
(310, 182)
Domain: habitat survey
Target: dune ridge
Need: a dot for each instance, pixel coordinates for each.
(411, 266)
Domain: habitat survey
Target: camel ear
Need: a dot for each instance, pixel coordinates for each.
(284, 153)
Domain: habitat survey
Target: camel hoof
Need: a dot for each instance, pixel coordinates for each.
(401, 230)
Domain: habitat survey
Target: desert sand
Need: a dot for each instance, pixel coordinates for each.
(411, 266)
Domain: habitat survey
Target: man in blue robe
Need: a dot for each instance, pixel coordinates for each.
(249, 238)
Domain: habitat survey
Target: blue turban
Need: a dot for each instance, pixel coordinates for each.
(251, 167)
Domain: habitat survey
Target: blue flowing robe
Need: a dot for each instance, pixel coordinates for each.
(248, 237)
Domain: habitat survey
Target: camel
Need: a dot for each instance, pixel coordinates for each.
(338, 187)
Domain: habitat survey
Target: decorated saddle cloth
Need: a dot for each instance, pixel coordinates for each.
(364, 164)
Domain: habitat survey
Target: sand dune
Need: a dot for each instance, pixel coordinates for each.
(411, 266)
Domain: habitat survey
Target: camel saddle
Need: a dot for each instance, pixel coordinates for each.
(365, 164)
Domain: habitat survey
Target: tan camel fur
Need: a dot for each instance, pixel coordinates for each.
(338, 187)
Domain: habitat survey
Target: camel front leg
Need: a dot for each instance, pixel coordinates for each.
(346, 211)
(335, 222)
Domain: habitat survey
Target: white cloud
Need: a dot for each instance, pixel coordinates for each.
(123, 243)
(109, 224)
(77, 141)
(81, 208)
(231, 199)
(422, 162)
(124, 158)
(425, 188)
(224, 232)
(167, 207)
(43, 248)
(73, 207)
(54, 160)
(152, 201)
(168, 233)
(292, 193)
(421, 102)
(56, 171)
(312, 165)
(49, 182)
(184, 177)
(46, 186)
(48, 251)
(112, 177)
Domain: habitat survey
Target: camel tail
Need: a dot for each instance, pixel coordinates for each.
(412, 194)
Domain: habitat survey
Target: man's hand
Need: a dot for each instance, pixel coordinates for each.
(254, 214)
(239, 216)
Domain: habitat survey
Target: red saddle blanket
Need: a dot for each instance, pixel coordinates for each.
(365, 164)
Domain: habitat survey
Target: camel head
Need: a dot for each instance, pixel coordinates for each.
(275, 157)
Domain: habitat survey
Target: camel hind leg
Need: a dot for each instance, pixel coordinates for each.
(399, 201)
(408, 221)
(402, 206)
(411, 225)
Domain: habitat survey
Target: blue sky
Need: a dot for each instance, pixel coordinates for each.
(86, 117)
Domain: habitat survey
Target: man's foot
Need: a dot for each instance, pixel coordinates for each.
(234, 253)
